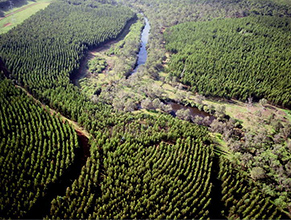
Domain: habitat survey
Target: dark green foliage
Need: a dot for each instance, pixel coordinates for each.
(166, 13)
(36, 149)
(159, 168)
(46, 55)
(141, 166)
(12, 1)
(80, 197)
(173, 12)
(241, 198)
(268, 162)
(149, 168)
(44, 58)
(234, 58)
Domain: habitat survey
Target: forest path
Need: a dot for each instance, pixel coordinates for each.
(76, 126)
(42, 207)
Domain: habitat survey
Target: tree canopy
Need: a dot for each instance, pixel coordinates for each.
(234, 58)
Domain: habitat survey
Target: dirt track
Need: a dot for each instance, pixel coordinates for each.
(21, 9)
(75, 125)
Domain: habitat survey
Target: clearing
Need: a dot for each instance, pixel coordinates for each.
(18, 15)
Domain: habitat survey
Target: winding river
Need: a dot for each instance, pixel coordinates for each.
(141, 57)
(82, 71)
(143, 54)
(141, 60)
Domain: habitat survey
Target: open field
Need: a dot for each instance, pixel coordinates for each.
(253, 115)
(18, 15)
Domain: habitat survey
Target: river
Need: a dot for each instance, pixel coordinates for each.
(141, 60)
(143, 54)
(83, 70)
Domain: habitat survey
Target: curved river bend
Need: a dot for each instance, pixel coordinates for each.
(141, 60)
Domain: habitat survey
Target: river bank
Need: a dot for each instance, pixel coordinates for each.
(92, 52)
(142, 54)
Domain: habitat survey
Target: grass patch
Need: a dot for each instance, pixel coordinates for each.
(252, 116)
(169, 90)
(29, 4)
(20, 15)
(147, 112)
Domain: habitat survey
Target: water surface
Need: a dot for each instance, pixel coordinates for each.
(143, 54)
(193, 111)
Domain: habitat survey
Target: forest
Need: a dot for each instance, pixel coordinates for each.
(238, 53)
(113, 146)
(37, 148)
